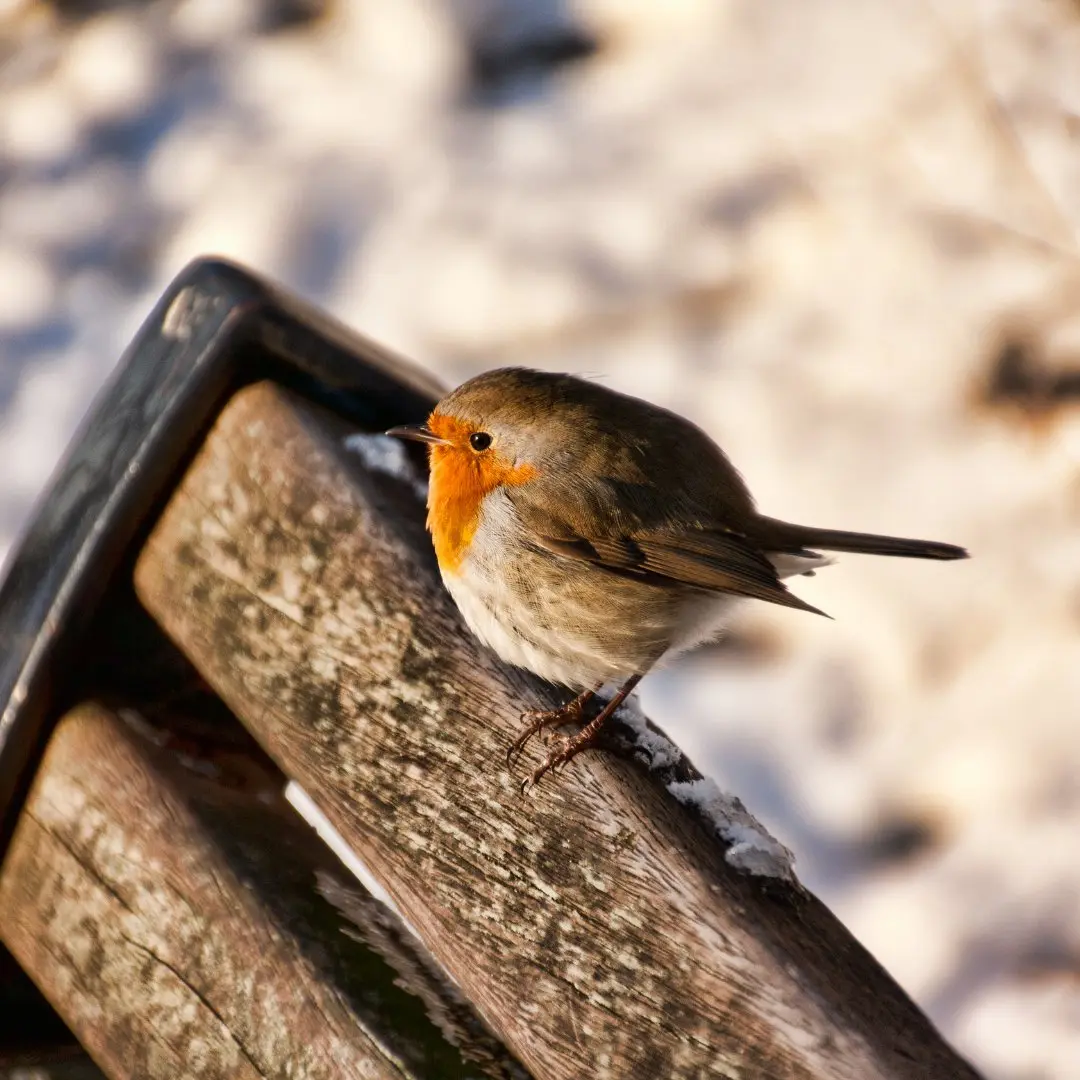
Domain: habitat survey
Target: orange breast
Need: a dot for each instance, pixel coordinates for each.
(460, 481)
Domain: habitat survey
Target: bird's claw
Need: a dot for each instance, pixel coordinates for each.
(559, 756)
(538, 721)
(566, 747)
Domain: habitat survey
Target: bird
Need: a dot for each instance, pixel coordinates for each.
(588, 536)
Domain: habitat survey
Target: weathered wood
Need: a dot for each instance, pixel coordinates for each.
(596, 924)
(67, 1064)
(32, 1036)
(177, 928)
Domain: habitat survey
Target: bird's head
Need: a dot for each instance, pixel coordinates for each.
(489, 433)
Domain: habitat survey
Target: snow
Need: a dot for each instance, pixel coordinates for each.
(305, 806)
(659, 751)
(386, 454)
(750, 847)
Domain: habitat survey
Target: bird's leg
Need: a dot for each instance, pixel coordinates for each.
(568, 748)
(539, 719)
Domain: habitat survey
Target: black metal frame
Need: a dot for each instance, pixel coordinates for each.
(216, 328)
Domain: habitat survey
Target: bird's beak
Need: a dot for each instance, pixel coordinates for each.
(418, 433)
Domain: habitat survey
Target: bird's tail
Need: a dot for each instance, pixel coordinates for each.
(782, 536)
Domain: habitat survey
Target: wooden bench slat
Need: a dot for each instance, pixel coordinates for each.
(596, 924)
(177, 928)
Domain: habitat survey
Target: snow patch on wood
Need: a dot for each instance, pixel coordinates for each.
(751, 848)
(383, 454)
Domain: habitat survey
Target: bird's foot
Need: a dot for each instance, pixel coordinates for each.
(568, 747)
(561, 753)
(538, 721)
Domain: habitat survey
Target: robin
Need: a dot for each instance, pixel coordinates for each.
(586, 535)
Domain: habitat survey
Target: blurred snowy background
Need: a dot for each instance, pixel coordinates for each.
(841, 236)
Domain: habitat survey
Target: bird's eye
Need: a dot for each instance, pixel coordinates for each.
(479, 440)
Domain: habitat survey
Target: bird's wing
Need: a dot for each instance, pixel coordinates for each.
(709, 559)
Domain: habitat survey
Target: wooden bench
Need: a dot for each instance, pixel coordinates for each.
(268, 611)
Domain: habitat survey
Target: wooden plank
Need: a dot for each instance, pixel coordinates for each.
(70, 1064)
(176, 927)
(34, 1042)
(599, 925)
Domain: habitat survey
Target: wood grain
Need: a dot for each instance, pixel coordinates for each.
(595, 924)
(177, 928)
